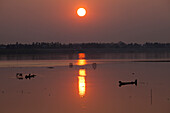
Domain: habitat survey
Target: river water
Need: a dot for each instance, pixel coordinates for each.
(85, 86)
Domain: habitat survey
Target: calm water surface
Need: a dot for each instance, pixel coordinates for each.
(84, 88)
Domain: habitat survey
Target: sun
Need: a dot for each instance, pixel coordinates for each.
(81, 12)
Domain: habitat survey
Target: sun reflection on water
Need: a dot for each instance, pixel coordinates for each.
(81, 62)
(82, 82)
(82, 73)
(81, 55)
(82, 85)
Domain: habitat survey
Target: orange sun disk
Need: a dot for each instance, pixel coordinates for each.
(81, 12)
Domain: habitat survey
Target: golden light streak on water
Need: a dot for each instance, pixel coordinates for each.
(82, 72)
(81, 55)
(82, 85)
(81, 62)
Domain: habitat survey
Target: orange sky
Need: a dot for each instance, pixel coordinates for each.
(139, 21)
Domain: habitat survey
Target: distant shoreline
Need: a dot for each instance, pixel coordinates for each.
(73, 48)
(56, 50)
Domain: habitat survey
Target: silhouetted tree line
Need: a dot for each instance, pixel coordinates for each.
(57, 45)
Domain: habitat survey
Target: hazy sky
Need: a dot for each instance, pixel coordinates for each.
(139, 21)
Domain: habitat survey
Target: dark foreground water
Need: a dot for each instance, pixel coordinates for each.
(85, 88)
